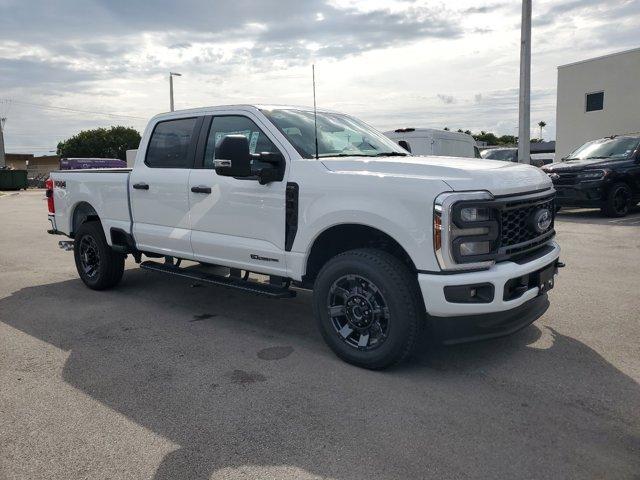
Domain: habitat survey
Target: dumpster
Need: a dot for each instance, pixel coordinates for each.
(13, 179)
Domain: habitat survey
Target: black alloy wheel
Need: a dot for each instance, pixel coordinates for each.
(98, 265)
(89, 256)
(368, 307)
(618, 201)
(358, 312)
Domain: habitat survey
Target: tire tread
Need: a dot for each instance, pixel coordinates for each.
(400, 275)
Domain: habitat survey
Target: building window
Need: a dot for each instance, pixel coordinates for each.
(595, 101)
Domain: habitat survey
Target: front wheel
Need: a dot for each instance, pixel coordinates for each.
(368, 307)
(98, 265)
(618, 201)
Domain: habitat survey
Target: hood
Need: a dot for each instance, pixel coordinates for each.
(572, 165)
(498, 177)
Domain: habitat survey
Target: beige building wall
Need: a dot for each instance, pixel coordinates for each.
(37, 165)
(618, 76)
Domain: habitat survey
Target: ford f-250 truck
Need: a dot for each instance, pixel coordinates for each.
(391, 244)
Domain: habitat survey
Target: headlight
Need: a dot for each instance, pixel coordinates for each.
(465, 230)
(592, 175)
(474, 214)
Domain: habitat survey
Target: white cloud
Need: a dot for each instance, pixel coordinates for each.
(393, 63)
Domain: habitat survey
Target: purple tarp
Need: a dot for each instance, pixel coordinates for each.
(87, 163)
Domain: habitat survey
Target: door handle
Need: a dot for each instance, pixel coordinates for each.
(141, 186)
(201, 189)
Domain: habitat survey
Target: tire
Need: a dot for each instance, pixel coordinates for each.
(98, 265)
(376, 308)
(618, 201)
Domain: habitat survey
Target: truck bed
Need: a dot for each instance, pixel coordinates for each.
(106, 190)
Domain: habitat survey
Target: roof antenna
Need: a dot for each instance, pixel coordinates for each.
(315, 112)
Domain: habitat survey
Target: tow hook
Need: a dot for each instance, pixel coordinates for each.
(66, 245)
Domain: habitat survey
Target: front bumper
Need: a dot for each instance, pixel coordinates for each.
(585, 194)
(471, 328)
(432, 286)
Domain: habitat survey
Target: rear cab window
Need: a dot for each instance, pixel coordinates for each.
(170, 142)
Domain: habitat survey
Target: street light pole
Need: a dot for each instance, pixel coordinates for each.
(2, 156)
(524, 117)
(171, 75)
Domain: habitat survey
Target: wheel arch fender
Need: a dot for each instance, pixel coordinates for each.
(337, 237)
(83, 212)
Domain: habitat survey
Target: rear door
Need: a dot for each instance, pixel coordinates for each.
(159, 188)
(237, 222)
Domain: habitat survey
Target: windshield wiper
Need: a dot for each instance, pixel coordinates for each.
(390, 154)
(328, 155)
(597, 158)
(381, 154)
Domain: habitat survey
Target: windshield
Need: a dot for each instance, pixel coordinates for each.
(338, 134)
(618, 147)
(501, 154)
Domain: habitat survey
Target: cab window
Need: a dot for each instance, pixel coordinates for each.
(237, 125)
(169, 144)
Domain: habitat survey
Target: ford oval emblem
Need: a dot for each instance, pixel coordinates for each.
(541, 220)
(554, 176)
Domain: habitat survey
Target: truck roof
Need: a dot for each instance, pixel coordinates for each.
(239, 106)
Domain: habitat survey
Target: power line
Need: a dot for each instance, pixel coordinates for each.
(67, 109)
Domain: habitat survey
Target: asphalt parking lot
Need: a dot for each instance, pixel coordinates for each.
(160, 378)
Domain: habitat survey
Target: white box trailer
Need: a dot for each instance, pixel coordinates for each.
(430, 141)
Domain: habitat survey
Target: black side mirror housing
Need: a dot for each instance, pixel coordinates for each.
(232, 157)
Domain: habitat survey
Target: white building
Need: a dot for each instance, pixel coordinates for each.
(597, 98)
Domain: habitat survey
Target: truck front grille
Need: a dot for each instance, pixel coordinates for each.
(516, 222)
(569, 178)
(518, 234)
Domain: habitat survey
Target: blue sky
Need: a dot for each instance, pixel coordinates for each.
(392, 63)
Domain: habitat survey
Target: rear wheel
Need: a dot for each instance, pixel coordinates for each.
(618, 201)
(98, 265)
(368, 308)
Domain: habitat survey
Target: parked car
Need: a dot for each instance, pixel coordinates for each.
(603, 173)
(389, 243)
(502, 154)
(510, 154)
(429, 141)
(541, 159)
(88, 163)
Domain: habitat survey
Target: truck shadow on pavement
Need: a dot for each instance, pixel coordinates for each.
(189, 364)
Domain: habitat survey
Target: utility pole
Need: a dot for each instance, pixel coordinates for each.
(524, 120)
(3, 161)
(171, 75)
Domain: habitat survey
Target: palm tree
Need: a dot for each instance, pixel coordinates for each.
(542, 124)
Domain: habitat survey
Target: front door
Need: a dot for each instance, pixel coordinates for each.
(237, 222)
(158, 189)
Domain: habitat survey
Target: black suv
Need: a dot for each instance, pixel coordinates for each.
(603, 173)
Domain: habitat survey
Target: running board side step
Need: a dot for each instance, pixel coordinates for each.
(265, 289)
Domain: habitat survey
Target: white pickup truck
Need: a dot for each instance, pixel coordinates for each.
(391, 244)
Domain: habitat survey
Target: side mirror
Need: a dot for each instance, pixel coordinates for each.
(273, 158)
(232, 157)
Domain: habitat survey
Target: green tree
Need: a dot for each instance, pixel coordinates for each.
(507, 140)
(100, 143)
(542, 124)
(488, 137)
